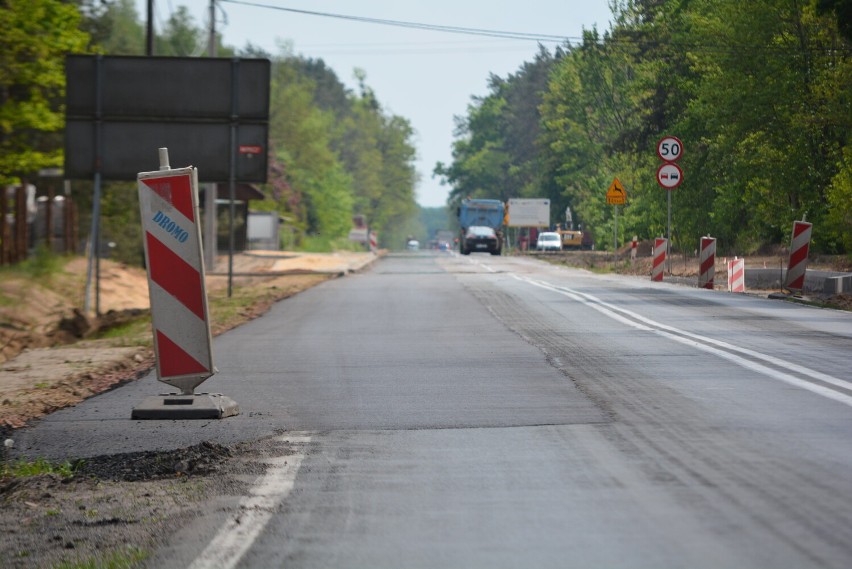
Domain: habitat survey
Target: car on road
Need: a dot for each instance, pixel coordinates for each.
(413, 245)
(548, 241)
(480, 238)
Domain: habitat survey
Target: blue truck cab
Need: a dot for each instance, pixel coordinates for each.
(483, 213)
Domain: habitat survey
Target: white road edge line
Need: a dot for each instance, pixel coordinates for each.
(706, 344)
(238, 534)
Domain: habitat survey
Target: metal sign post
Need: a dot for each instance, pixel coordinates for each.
(669, 176)
(168, 201)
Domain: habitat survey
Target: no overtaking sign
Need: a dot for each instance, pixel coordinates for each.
(669, 174)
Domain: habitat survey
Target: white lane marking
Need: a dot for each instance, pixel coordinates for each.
(722, 349)
(238, 534)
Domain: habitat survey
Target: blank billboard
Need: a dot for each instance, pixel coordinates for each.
(184, 104)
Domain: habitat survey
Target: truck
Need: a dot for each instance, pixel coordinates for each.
(481, 212)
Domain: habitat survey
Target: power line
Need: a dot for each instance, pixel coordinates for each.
(542, 38)
(603, 41)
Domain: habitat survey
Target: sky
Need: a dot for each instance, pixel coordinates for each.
(424, 76)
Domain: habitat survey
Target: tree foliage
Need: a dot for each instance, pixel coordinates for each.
(334, 153)
(341, 154)
(759, 93)
(35, 38)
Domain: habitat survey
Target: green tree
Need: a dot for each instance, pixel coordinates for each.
(396, 212)
(840, 200)
(376, 150)
(36, 36)
(114, 26)
(298, 135)
(496, 153)
(770, 106)
(591, 114)
(180, 36)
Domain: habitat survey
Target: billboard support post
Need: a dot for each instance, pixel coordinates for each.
(232, 174)
(93, 265)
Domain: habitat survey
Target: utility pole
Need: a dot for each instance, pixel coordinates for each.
(210, 189)
(149, 36)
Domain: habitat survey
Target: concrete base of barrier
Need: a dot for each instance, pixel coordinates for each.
(819, 282)
(837, 285)
(194, 406)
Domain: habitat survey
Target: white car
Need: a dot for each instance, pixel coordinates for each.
(548, 241)
(413, 245)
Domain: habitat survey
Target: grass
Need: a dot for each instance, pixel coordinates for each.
(25, 468)
(136, 332)
(322, 244)
(244, 303)
(225, 312)
(189, 490)
(42, 265)
(123, 559)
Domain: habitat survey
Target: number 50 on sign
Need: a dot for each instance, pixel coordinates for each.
(670, 149)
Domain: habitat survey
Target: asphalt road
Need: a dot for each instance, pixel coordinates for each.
(446, 411)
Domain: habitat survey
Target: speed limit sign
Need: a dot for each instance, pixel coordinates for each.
(670, 149)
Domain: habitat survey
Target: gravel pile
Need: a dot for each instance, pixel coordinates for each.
(200, 459)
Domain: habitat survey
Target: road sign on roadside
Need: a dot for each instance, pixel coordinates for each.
(176, 277)
(798, 261)
(669, 175)
(529, 212)
(616, 194)
(168, 202)
(670, 149)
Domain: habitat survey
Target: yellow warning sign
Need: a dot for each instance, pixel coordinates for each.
(616, 194)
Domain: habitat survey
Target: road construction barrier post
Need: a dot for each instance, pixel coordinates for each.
(634, 247)
(798, 261)
(707, 263)
(374, 242)
(168, 201)
(660, 246)
(736, 275)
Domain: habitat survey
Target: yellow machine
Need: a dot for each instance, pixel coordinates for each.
(571, 239)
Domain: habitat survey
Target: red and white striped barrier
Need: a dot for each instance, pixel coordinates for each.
(798, 263)
(168, 202)
(707, 263)
(660, 247)
(736, 275)
(374, 241)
